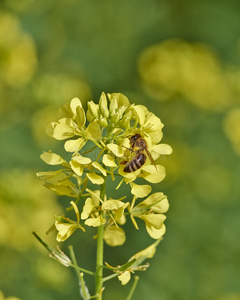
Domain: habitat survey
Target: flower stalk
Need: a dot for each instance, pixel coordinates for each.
(100, 249)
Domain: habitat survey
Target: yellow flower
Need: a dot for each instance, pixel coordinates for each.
(18, 58)
(65, 226)
(177, 68)
(151, 212)
(100, 143)
(2, 297)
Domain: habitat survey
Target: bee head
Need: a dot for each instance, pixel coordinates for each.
(134, 137)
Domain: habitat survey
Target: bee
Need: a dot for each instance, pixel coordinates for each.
(138, 146)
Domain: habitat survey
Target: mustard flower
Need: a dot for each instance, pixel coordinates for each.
(99, 143)
(151, 211)
(112, 139)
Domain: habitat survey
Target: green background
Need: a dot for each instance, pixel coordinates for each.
(81, 48)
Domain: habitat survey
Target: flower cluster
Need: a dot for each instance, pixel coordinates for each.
(99, 145)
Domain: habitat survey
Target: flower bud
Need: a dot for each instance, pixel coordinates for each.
(103, 106)
(93, 109)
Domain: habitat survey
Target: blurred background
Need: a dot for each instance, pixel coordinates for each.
(182, 60)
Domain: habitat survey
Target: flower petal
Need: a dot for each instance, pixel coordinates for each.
(114, 236)
(140, 112)
(65, 230)
(74, 145)
(99, 167)
(158, 202)
(77, 167)
(125, 277)
(93, 131)
(162, 149)
(82, 160)
(95, 179)
(116, 149)
(52, 158)
(156, 233)
(95, 222)
(155, 220)
(80, 118)
(112, 204)
(74, 104)
(63, 129)
(140, 191)
(149, 173)
(109, 161)
(87, 208)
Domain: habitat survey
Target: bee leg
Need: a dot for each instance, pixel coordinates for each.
(123, 162)
(128, 148)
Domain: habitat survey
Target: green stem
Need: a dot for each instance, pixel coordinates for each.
(129, 297)
(110, 277)
(73, 257)
(82, 269)
(99, 257)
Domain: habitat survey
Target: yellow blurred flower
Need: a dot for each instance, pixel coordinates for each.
(191, 70)
(25, 206)
(231, 125)
(2, 297)
(54, 88)
(18, 59)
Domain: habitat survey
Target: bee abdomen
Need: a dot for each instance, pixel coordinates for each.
(136, 163)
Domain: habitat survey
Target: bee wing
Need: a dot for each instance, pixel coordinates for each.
(151, 158)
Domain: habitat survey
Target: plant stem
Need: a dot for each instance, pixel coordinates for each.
(136, 278)
(99, 257)
(73, 257)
